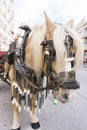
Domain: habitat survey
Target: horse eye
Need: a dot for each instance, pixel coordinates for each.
(70, 39)
(71, 42)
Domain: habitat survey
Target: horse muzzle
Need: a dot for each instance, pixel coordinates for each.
(66, 95)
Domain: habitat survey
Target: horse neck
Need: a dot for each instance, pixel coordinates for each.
(28, 55)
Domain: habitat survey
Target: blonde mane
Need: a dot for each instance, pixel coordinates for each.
(78, 47)
(61, 54)
(35, 39)
(59, 37)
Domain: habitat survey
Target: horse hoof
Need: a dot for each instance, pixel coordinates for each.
(17, 129)
(35, 125)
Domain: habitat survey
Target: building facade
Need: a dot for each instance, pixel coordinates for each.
(6, 23)
(81, 28)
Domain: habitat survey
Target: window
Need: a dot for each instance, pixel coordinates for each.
(86, 29)
(85, 40)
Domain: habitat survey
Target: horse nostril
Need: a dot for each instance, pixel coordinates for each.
(65, 96)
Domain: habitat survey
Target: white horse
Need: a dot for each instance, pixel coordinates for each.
(67, 47)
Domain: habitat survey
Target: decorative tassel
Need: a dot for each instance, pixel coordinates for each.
(25, 99)
(44, 82)
(14, 101)
(19, 101)
(28, 100)
(44, 85)
(36, 104)
(42, 101)
(39, 102)
(31, 102)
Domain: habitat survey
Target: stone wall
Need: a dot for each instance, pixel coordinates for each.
(6, 23)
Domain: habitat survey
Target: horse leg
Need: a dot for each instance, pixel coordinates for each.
(16, 125)
(11, 77)
(34, 119)
(6, 69)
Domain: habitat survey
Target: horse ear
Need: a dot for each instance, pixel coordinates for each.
(70, 23)
(49, 25)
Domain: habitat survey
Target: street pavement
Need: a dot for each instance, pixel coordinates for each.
(68, 116)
